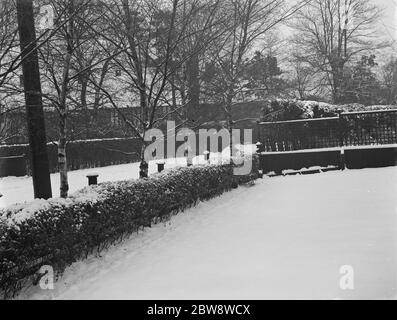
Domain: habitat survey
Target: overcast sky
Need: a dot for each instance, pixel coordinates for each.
(389, 21)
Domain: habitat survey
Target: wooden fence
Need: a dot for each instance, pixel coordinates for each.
(81, 154)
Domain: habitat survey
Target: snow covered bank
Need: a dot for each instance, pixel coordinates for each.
(283, 238)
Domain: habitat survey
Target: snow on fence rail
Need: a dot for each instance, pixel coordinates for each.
(349, 129)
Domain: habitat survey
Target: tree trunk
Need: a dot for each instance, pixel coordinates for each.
(144, 166)
(34, 103)
(173, 93)
(62, 160)
(63, 110)
(193, 77)
(337, 79)
(84, 106)
(229, 119)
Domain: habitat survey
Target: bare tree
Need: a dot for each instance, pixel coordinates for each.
(33, 99)
(249, 21)
(389, 81)
(11, 57)
(8, 50)
(150, 37)
(305, 81)
(66, 67)
(188, 80)
(9, 47)
(331, 33)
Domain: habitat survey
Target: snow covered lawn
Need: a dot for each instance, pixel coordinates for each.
(20, 189)
(286, 237)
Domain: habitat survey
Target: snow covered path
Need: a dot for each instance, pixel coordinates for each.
(283, 238)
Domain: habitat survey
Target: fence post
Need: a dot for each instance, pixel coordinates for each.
(160, 166)
(258, 133)
(256, 157)
(206, 155)
(92, 179)
(342, 129)
(342, 159)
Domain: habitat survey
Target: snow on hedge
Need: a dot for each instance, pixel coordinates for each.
(18, 213)
(283, 109)
(59, 231)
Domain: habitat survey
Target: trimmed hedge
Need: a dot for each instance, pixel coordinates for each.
(58, 232)
(285, 110)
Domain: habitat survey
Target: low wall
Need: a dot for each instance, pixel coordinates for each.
(360, 158)
(279, 161)
(13, 166)
(350, 158)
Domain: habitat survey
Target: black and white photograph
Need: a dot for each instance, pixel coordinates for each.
(198, 150)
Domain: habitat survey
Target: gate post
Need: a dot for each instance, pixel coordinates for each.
(258, 131)
(342, 130)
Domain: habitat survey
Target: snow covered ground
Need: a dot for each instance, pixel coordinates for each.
(285, 238)
(20, 189)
